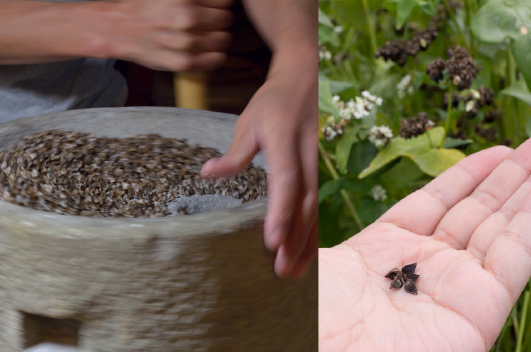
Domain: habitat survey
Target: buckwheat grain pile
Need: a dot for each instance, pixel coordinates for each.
(78, 174)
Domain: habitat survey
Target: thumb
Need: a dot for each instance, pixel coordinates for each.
(241, 152)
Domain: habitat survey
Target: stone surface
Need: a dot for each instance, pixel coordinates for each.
(202, 204)
(202, 282)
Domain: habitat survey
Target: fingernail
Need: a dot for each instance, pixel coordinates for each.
(275, 240)
(282, 265)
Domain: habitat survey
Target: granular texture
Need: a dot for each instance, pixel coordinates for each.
(78, 174)
(436, 69)
(393, 50)
(415, 126)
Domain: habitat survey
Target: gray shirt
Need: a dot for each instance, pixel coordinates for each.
(29, 90)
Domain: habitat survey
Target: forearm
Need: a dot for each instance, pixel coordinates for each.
(39, 31)
(290, 29)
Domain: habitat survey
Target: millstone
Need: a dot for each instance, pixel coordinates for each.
(202, 282)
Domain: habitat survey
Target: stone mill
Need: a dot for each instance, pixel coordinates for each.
(201, 282)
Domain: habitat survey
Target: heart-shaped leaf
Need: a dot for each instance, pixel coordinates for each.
(401, 147)
(499, 19)
(435, 161)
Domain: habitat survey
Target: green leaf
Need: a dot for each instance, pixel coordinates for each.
(336, 87)
(329, 188)
(456, 142)
(344, 146)
(361, 155)
(521, 48)
(325, 99)
(324, 19)
(498, 19)
(435, 161)
(519, 91)
(399, 180)
(528, 127)
(403, 10)
(357, 186)
(429, 7)
(327, 35)
(370, 210)
(401, 147)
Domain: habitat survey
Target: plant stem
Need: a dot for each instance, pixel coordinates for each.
(509, 68)
(344, 193)
(501, 337)
(522, 323)
(468, 17)
(516, 325)
(449, 110)
(370, 27)
(454, 20)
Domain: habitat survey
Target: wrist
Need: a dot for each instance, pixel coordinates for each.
(93, 28)
(296, 59)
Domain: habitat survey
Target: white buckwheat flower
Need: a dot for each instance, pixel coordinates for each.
(470, 105)
(378, 193)
(359, 107)
(475, 94)
(404, 87)
(324, 54)
(380, 136)
(338, 29)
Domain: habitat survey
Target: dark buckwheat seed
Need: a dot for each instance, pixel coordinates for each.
(405, 277)
(75, 173)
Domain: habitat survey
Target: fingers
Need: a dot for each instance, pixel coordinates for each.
(457, 227)
(509, 256)
(307, 256)
(305, 216)
(483, 237)
(422, 211)
(195, 43)
(283, 189)
(199, 18)
(241, 152)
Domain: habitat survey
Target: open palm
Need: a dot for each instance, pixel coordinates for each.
(469, 230)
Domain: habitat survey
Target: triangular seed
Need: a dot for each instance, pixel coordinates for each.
(397, 282)
(391, 275)
(409, 269)
(410, 287)
(412, 277)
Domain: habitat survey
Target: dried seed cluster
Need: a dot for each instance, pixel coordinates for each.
(489, 134)
(78, 174)
(461, 68)
(405, 277)
(474, 100)
(415, 126)
(398, 51)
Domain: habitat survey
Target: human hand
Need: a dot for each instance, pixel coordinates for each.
(169, 35)
(281, 121)
(469, 232)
